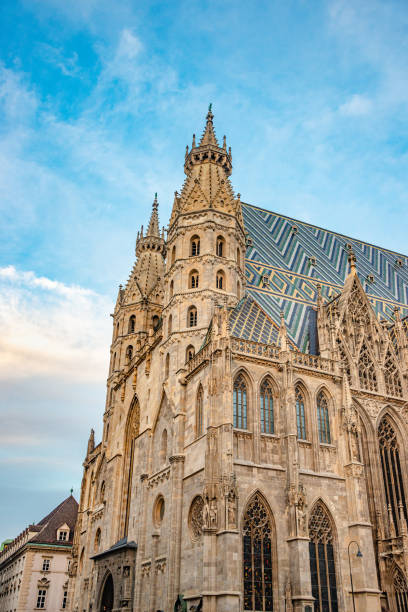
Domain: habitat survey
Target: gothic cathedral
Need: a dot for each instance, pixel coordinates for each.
(253, 454)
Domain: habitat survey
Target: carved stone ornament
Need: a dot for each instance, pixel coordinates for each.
(372, 406)
(196, 520)
(210, 511)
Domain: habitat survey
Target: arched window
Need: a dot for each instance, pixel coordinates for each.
(132, 324)
(173, 255)
(171, 288)
(392, 473)
(193, 279)
(97, 541)
(257, 557)
(220, 280)
(323, 422)
(240, 402)
(155, 322)
(366, 370)
(192, 317)
(266, 407)
(391, 376)
(194, 246)
(300, 413)
(167, 365)
(220, 246)
(190, 352)
(322, 563)
(199, 412)
(129, 354)
(163, 448)
(170, 324)
(400, 591)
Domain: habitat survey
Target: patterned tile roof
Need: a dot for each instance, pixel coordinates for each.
(287, 258)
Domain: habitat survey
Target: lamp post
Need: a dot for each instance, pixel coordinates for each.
(359, 554)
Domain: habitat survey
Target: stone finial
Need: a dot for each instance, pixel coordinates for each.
(352, 261)
(91, 442)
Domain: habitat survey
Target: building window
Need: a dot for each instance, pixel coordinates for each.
(158, 511)
(392, 379)
(190, 352)
(46, 564)
(129, 354)
(64, 600)
(323, 418)
(300, 413)
(193, 280)
(173, 255)
(171, 289)
(400, 591)
(194, 246)
(63, 535)
(266, 406)
(220, 246)
(167, 365)
(220, 280)
(97, 541)
(321, 557)
(155, 322)
(257, 548)
(41, 598)
(240, 403)
(192, 316)
(392, 472)
(199, 412)
(132, 324)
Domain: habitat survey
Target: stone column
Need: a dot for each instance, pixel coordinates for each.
(174, 537)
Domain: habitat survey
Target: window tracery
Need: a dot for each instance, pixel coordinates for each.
(257, 549)
(300, 413)
(240, 402)
(322, 563)
(392, 473)
(196, 517)
(366, 370)
(323, 418)
(345, 361)
(401, 591)
(266, 408)
(392, 379)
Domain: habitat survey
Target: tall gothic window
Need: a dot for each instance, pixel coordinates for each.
(257, 548)
(322, 565)
(194, 246)
(400, 591)
(300, 413)
(193, 284)
(220, 280)
(392, 473)
(192, 316)
(132, 324)
(132, 431)
(366, 370)
(266, 406)
(240, 402)
(220, 246)
(199, 412)
(323, 422)
(392, 378)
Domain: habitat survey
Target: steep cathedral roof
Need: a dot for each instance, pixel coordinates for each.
(287, 259)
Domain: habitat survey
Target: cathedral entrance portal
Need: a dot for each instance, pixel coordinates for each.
(107, 595)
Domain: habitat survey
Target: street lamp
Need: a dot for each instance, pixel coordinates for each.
(359, 554)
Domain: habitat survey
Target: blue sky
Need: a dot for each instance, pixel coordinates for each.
(98, 100)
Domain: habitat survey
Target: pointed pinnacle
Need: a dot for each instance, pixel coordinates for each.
(209, 136)
(352, 261)
(153, 229)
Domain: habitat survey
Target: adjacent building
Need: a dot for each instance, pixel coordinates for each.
(253, 455)
(34, 566)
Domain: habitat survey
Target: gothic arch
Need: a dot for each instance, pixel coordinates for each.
(259, 555)
(306, 422)
(367, 369)
(242, 392)
(131, 432)
(267, 409)
(323, 557)
(399, 587)
(106, 593)
(323, 427)
(392, 374)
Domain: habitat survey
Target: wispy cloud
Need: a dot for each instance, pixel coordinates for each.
(356, 106)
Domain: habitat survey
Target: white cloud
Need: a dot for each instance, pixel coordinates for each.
(356, 106)
(54, 55)
(49, 328)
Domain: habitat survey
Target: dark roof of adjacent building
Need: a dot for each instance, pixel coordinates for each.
(64, 514)
(286, 259)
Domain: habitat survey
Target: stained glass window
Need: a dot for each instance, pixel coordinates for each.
(300, 413)
(266, 406)
(392, 473)
(240, 403)
(257, 549)
(323, 418)
(322, 564)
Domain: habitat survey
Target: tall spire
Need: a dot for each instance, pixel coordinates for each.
(153, 228)
(209, 136)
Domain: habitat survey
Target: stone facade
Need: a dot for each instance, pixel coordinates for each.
(234, 474)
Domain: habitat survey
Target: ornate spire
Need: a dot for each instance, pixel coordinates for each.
(153, 228)
(209, 136)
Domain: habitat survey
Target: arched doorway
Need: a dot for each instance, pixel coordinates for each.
(107, 595)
